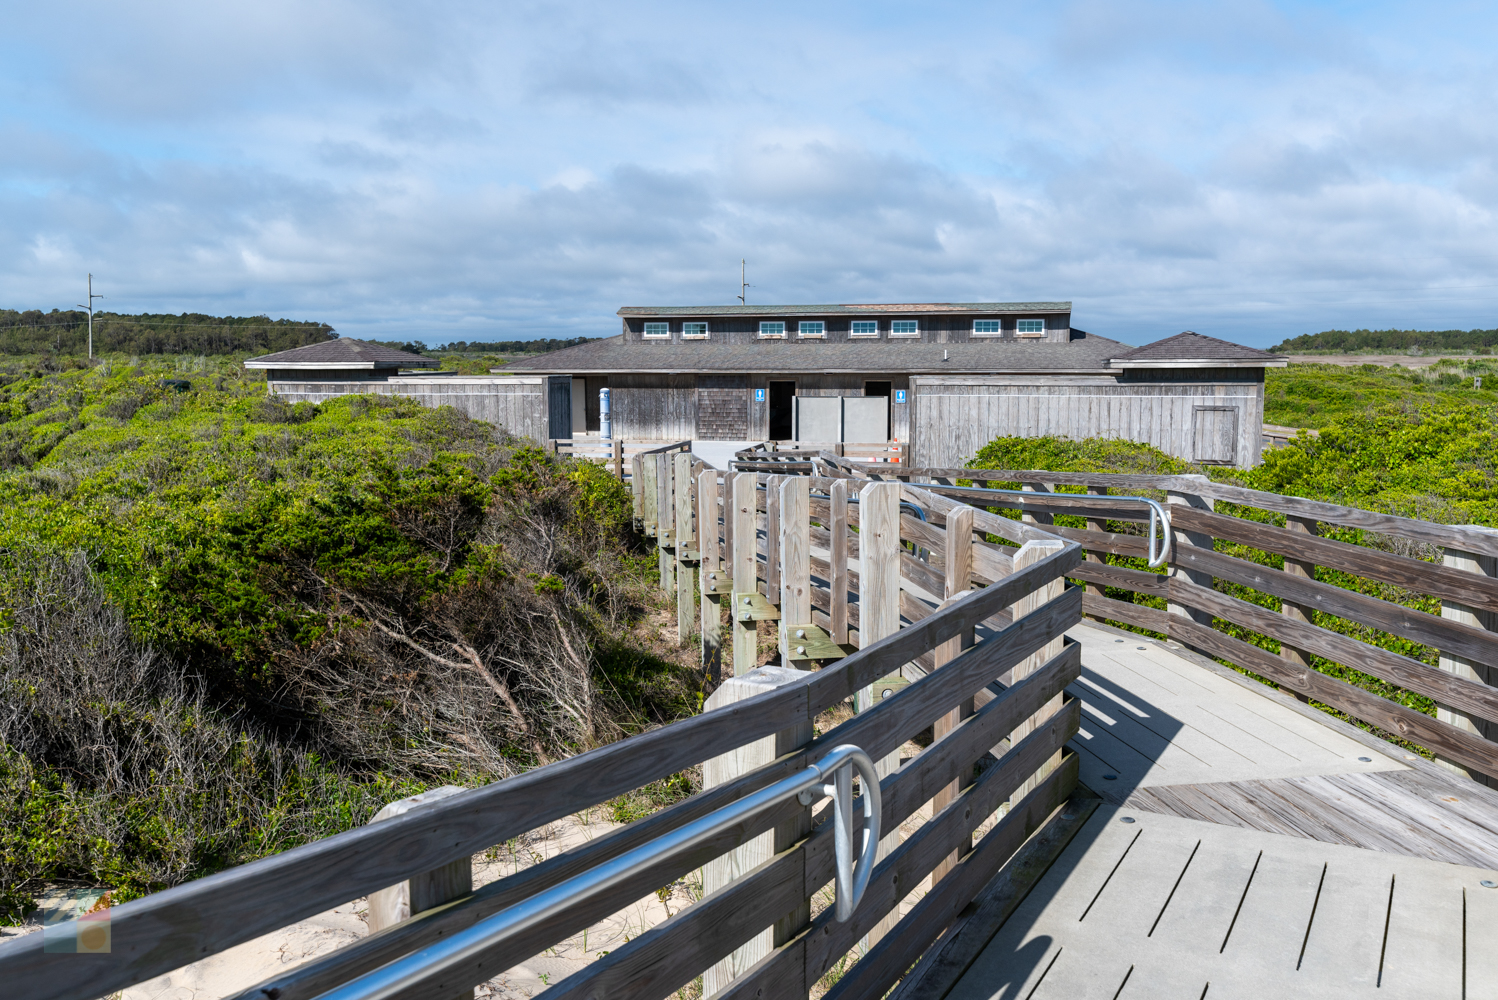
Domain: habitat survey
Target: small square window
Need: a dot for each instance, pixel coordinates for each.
(986, 327)
(694, 331)
(865, 328)
(1030, 327)
(768, 328)
(657, 329)
(811, 328)
(904, 328)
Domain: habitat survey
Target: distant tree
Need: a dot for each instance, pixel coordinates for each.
(540, 346)
(66, 332)
(1391, 340)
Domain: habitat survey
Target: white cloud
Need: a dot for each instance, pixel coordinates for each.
(466, 170)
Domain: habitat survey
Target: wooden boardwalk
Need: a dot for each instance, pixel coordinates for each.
(1244, 844)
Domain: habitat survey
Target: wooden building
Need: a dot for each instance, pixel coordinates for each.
(945, 378)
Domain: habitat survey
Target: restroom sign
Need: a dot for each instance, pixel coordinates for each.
(759, 395)
(899, 395)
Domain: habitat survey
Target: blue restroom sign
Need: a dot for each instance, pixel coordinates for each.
(899, 395)
(759, 395)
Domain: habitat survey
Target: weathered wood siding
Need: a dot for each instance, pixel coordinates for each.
(957, 415)
(934, 328)
(517, 404)
(654, 407)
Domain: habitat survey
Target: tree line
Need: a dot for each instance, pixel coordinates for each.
(540, 346)
(1391, 340)
(32, 331)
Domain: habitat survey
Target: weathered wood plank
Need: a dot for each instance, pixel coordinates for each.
(1471, 696)
(1412, 574)
(686, 588)
(1154, 584)
(745, 560)
(1137, 615)
(878, 570)
(795, 565)
(1106, 541)
(837, 574)
(1464, 640)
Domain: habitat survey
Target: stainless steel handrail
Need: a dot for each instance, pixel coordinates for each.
(807, 787)
(1158, 514)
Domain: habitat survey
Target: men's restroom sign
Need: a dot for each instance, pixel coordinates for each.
(899, 395)
(759, 395)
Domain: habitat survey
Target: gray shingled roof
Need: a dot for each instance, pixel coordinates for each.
(1087, 353)
(1190, 346)
(850, 309)
(341, 353)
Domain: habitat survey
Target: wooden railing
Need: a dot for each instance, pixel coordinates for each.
(796, 456)
(617, 453)
(982, 623)
(1316, 617)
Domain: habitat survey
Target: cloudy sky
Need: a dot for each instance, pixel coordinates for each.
(446, 170)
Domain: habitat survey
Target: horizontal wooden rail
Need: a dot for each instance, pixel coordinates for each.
(1450, 689)
(1464, 640)
(1413, 574)
(1445, 535)
(1390, 716)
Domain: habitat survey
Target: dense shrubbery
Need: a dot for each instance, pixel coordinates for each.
(1317, 395)
(230, 624)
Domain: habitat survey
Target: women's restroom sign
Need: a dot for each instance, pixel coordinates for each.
(899, 395)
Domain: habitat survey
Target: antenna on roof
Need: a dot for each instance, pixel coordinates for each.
(743, 285)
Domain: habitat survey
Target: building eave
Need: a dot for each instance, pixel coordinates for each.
(1201, 363)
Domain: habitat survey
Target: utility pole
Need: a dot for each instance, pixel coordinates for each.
(743, 285)
(90, 308)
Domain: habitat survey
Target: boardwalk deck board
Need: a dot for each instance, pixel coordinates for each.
(1193, 907)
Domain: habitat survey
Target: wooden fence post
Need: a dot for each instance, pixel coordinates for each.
(1482, 673)
(772, 538)
(1194, 539)
(619, 459)
(795, 562)
(878, 617)
(1030, 553)
(745, 570)
(686, 588)
(1096, 524)
(1037, 488)
(837, 524)
(959, 569)
(741, 860)
(878, 570)
(399, 902)
(665, 524)
(645, 493)
(710, 572)
(1299, 658)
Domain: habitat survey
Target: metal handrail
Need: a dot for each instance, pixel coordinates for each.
(808, 786)
(1158, 514)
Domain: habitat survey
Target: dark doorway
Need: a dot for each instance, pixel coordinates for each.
(885, 389)
(593, 416)
(782, 396)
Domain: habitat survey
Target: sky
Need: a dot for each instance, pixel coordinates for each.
(482, 171)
